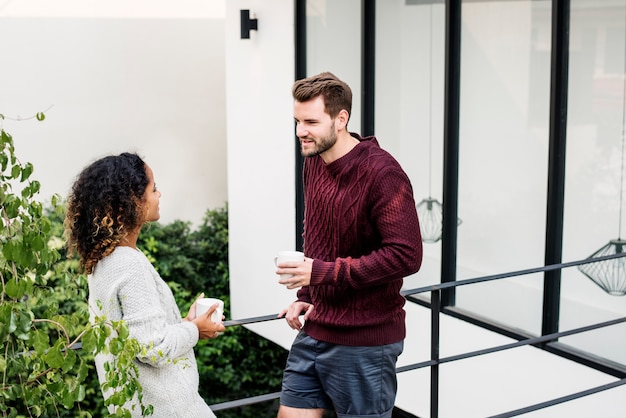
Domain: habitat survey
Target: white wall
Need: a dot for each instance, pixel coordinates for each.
(261, 157)
(145, 77)
(166, 9)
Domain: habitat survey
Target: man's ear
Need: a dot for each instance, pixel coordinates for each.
(342, 119)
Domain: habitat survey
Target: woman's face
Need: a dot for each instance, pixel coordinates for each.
(151, 199)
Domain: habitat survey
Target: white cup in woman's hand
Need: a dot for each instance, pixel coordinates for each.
(203, 305)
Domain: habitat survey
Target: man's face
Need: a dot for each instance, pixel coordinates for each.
(314, 127)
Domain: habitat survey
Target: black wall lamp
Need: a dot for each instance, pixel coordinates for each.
(247, 24)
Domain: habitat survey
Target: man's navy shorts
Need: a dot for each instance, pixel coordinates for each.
(354, 381)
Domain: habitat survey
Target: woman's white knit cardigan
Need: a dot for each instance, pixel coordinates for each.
(126, 286)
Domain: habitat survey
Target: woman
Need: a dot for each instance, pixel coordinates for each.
(109, 202)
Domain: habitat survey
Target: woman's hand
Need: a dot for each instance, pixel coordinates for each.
(191, 315)
(206, 327)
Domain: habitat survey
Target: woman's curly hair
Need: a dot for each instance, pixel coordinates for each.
(104, 205)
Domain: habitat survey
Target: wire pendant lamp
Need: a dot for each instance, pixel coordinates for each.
(430, 213)
(430, 210)
(610, 274)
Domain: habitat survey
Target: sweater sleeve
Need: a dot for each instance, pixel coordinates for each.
(388, 235)
(144, 310)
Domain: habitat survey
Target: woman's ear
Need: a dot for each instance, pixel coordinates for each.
(143, 211)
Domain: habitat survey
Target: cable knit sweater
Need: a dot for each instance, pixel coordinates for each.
(361, 229)
(128, 287)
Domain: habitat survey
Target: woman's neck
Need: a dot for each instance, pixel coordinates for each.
(130, 240)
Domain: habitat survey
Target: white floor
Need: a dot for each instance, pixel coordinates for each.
(488, 385)
(496, 383)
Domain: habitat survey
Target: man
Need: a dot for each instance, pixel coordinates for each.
(361, 238)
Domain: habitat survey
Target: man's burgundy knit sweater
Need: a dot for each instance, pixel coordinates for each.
(361, 229)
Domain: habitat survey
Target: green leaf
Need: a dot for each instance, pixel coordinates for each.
(27, 170)
(54, 357)
(40, 116)
(40, 341)
(46, 226)
(68, 399)
(116, 346)
(56, 386)
(15, 171)
(23, 255)
(117, 399)
(27, 193)
(4, 160)
(22, 325)
(5, 138)
(7, 251)
(89, 341)
(35, 208)
(35, 186)
(80, 394)
(12, 287)
(123, 332)
(17, 288)
(38, 243)
(12, 206)
(5, 320)
(70, 360)
(83, 370)
(12, 323)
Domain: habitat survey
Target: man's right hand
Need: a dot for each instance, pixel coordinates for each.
(293, 312)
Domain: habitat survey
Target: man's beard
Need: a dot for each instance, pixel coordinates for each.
(322, 144)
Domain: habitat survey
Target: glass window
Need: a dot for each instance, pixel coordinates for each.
(505, 98)
(409, 103)
(334, 44)
(593, 188)
(505, 78)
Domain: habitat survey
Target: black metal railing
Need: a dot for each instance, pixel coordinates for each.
(435, 360)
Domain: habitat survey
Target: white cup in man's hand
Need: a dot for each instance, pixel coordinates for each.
(284, 256)
(203, 305)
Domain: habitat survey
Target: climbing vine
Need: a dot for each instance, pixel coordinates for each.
(46, 350)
